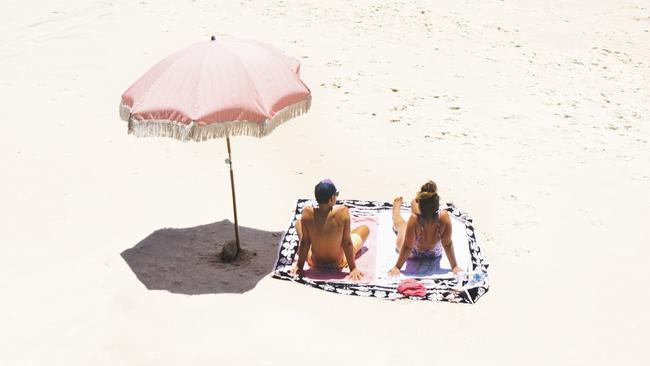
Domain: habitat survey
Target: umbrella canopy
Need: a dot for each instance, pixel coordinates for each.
(218, 88)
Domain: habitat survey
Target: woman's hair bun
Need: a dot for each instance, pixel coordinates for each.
(429, 186)
(428, 200)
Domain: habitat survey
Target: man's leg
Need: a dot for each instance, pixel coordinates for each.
(358, 236)
(399, 225)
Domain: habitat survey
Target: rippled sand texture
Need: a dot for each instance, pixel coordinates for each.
(530, 115)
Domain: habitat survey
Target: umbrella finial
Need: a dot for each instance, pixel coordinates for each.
(213, 38)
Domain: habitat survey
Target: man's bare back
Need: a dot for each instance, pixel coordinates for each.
(326, 230)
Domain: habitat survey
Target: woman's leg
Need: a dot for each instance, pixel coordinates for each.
(415, 208)
(399, 225)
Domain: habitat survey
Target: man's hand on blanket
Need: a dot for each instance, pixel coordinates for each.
(355, 275)
(394, 272)
(295, 271)
(456, 270)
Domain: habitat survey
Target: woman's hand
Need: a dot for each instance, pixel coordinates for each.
(394, 272)
(456, 270)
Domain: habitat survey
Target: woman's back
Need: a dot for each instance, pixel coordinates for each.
(428, 233)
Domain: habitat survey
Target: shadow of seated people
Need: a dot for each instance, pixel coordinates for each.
(187, 261)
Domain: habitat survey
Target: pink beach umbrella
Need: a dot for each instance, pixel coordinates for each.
(219, 88)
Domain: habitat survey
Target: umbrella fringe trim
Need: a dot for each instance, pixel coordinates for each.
(194, 132)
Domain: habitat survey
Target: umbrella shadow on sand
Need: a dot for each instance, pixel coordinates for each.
(187, 261)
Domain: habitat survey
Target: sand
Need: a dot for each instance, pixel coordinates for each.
(531, 116)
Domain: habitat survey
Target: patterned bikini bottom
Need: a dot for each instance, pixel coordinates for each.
(431, 253)
(421, 254)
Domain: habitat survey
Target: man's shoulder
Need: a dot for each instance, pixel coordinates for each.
(341, 213)
(342, 210)
(308, 211)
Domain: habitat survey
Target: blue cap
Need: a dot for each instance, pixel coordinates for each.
(324, 190)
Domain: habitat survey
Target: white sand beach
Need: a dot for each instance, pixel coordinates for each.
(532, 116)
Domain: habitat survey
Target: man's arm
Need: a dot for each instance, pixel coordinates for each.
(348, 247)
(448, 245)
(305, 244)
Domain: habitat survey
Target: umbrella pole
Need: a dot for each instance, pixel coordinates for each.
(234, 203)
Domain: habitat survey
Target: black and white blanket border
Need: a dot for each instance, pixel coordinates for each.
(438, 289)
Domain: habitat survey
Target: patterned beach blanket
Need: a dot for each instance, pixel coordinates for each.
(379, 254)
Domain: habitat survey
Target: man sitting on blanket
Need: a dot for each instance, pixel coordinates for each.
(325, 237)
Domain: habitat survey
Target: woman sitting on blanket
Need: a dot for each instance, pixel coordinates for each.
(427, 231)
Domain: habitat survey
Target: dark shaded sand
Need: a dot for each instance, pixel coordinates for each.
(187, 260)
